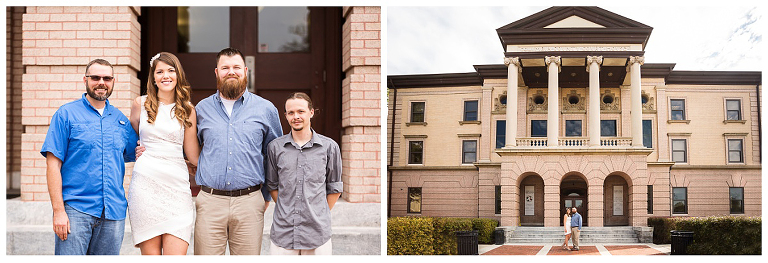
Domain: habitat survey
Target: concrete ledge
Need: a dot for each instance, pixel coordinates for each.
(356, 229)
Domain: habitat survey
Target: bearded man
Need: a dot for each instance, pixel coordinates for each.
(87, 145)
(234, 127)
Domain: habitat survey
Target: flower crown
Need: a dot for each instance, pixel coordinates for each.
(153, 59)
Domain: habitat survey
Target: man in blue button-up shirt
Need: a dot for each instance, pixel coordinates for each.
(234, 127)
(87, 145)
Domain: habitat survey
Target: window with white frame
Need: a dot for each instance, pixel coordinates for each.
(736, 199)
(468, 151)
(735, 151)
(677, 107)
(470, 110)
(680, 150)
(679, 200)
(733, 109)
(415, 152)
(417, 111)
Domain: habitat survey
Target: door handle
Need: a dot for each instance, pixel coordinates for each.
(250, 62)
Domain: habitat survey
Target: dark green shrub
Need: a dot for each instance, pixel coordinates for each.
(485, 228)
(433, 236)
(714, 235)
(410, 236)
(445, 234)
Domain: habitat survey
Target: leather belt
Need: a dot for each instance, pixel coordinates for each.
(233, 193)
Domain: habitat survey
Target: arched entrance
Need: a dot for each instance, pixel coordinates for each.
(573, 193)
(532, 201)
(616, 194)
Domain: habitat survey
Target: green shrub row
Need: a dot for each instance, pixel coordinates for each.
(433, 235)
(726, 235)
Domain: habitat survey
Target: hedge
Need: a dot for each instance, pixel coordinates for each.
(433, 236)
(726, 235)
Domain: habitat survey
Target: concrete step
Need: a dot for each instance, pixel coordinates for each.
(356, 229)
(581, 240)
(624, 234)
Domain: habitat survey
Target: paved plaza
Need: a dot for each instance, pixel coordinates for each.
(585, 249)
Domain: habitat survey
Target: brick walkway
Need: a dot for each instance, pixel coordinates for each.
(592, 249)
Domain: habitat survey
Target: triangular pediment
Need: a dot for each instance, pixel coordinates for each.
(574, 22)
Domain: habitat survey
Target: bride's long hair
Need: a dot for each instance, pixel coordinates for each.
(183, 107)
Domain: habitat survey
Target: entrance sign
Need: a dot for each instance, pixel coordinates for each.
(529, 206)
(618, 200)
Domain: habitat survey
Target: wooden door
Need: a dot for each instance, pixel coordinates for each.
(306, 58)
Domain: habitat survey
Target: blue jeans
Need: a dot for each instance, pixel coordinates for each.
(90, 235)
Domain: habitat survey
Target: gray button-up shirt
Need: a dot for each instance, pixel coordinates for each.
(303, 176)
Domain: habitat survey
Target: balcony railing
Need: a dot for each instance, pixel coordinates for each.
(574, 141)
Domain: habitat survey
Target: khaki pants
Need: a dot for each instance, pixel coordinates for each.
(324, 249)
(238, 221)
(575, 236)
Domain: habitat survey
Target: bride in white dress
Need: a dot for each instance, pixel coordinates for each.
(160, 204)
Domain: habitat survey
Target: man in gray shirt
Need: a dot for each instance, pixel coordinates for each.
(304, 178)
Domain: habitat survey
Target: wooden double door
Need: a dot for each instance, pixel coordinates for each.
(287, 49)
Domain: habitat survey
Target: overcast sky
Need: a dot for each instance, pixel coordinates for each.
(426, 40)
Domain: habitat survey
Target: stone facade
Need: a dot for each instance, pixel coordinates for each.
(621, 177)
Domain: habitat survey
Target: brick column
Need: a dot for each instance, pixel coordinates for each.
(361, 107)
(57, 44)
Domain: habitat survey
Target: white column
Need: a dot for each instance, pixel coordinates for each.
(636, 109)
(513, 68)
(593, 67)
(553, 109)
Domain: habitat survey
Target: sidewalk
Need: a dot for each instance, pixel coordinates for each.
(549, 249)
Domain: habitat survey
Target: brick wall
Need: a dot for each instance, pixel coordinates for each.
(361, 107)
(13, 95)
(57, 44)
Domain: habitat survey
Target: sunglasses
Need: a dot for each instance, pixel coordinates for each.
(98, 78)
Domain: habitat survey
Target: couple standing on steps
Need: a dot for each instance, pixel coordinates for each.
(572, 225)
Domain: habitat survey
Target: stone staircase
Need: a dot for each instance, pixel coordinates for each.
(356, 229)
(619, 234)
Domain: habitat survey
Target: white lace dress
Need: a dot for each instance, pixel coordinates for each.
(159, 198)
(567, 225)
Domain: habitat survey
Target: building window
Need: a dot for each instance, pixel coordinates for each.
(650, 199)
(501, 134)
(608, 128)
(498, 199)
(539, 128)
(573, 128)
(679, 151)
(415, 152)
(679, 200)
(417, 111)
(414, 199)
(733, 110)
(735, 151)
(678, 109)
(469, 151)
(470, 110)
(648, 133)
(737, 200)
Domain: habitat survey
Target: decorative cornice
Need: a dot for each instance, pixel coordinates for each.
(469, 135)
(414, 136)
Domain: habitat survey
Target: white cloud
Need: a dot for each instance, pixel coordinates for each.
(425, 40)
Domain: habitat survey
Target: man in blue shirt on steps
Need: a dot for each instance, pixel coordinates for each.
(575, 228)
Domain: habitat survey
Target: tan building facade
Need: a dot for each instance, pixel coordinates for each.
(48, 48)
(575, 118)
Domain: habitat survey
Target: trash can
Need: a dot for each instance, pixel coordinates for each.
(466, 242)
(498, 237)
(680, 241)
